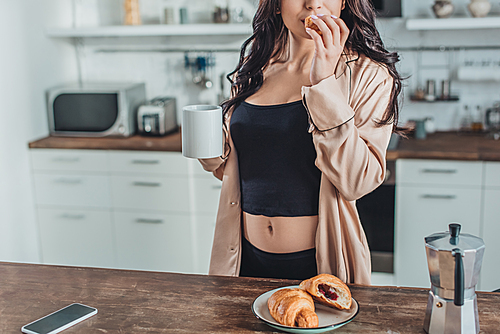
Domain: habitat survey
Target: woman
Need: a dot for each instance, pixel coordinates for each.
(306, 133)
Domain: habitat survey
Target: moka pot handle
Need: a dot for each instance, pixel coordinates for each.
(459, 277)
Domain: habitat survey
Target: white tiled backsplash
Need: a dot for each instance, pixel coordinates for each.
(164, 72)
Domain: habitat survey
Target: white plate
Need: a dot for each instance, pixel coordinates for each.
(329, 318)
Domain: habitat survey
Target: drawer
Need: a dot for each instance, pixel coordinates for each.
(149, 241)
(167, 193)
(148, 162)
(438, 172)
(206, 194)
(72, 190)
(72, 237)
(492, 174)
(69, 160)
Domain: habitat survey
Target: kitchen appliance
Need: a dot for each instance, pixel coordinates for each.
(158, 117)
(454, 261)
(492, 118)
(94, 109)
(387, 8)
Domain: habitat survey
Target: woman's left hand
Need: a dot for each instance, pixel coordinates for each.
(328, 47)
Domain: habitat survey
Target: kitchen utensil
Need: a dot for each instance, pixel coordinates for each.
(158, 117)
(445, 89)
(202, 131)
(430, 93)
(420, 131)
(492, 117)
(454, 261)
(443, 9)
(479, 8)
(329, 318)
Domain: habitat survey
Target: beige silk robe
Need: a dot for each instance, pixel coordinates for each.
(351, 153)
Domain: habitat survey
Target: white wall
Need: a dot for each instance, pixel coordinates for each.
(29, 63)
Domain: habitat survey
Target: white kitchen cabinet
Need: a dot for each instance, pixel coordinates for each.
(490, 270)
(154, 241)
(127, 209)
(81, 237)
(429, 195)
(82, 190)
(139, 192)
(205, 198)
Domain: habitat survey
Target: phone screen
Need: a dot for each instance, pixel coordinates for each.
(61, 319)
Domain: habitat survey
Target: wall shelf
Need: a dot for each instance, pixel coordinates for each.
(152, 30)
(491, 22)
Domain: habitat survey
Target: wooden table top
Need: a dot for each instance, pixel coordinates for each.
(157, 302)
(439, 145)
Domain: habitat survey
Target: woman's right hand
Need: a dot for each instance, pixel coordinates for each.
(328, 47)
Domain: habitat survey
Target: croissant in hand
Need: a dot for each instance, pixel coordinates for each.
(293, 307)
(328, 290)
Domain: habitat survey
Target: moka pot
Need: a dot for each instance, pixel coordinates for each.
(454, 262)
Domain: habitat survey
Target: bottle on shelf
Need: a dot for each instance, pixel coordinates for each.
(477, 120)
(466, 121)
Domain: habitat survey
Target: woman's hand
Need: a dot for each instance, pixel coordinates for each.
(328, 47)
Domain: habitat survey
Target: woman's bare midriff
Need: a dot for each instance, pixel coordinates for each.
(280, 234)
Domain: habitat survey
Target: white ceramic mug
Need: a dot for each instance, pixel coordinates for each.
(202, 131)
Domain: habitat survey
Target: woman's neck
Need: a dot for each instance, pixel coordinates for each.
(300, 54)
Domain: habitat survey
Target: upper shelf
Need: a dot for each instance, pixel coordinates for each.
(454, 23)
(153, 30)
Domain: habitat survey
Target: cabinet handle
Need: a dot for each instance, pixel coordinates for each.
(147, 184)
(68, 181)
(149, 221)
(66, 159)
(73, 216)
(435, 196)
(217, 187)
(145, 162)
(439, 171)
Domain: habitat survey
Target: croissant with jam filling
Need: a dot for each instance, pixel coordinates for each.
(328, 290)
(293, 307)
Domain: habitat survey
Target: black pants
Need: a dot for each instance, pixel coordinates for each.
(257, 263)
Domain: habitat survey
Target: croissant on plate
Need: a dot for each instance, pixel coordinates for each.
(328, 290)
(293, 307)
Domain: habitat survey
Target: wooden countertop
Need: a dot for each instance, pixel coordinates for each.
(140, 301)
(448, 146)
(439, 145)
(171, 142)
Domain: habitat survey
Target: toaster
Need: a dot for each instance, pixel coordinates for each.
(157, 117)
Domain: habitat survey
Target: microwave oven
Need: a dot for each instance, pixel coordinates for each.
(387, 8)
(94, 109)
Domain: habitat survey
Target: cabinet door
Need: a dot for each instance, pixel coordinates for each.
(206, 194)
(76, 237)
(421, 211)
(204, 236)
(490, 270)
(149, 241)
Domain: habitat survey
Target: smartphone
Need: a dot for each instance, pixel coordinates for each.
(60, 320)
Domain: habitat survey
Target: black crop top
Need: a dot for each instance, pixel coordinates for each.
(276, 160)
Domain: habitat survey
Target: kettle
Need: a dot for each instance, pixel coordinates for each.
(454, 262)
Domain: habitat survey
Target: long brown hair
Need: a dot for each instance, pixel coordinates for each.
(270, 40)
